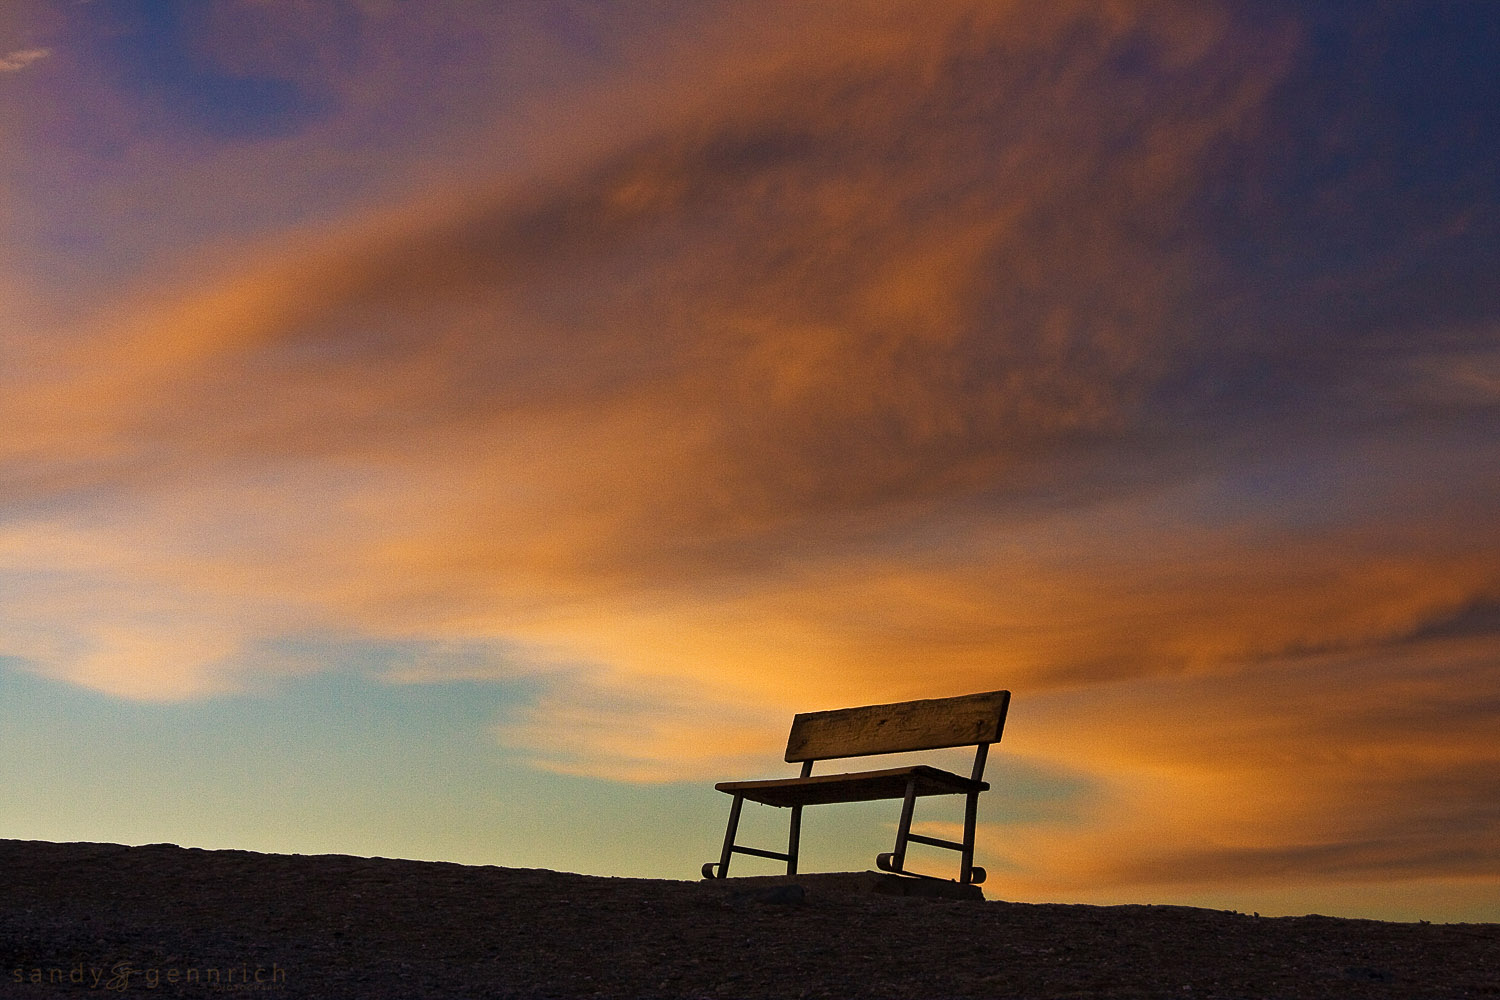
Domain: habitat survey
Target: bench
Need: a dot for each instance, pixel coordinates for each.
(971, 720)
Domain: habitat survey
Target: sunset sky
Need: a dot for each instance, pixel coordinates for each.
(467, 431)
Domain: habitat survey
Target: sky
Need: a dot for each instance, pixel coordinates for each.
(469, 431)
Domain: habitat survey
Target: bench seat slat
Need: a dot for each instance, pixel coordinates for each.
(860, 786)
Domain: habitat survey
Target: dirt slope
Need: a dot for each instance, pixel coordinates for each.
(161, 920)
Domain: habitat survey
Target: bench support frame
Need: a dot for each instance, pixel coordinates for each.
(794, 837)
(895, 861)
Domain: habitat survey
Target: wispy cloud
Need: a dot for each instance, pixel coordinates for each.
(14, 62)
(1398, 784)
(684, 358)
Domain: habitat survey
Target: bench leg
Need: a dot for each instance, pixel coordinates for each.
(729, 832)
(794, 836)
(969, 872)
(895, 861)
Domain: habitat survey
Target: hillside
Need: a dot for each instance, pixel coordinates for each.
(89, 917)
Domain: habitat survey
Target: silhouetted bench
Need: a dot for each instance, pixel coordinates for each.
(971, 720)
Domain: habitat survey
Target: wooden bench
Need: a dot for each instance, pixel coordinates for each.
(971, 720)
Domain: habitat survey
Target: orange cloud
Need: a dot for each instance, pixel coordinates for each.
(18, 60)
(1309, 771)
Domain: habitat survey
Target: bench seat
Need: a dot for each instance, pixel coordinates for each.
(860, 786)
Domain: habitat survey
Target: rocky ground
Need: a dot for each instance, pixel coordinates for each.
(92, 918)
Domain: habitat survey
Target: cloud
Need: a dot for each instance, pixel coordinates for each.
(496, 309)
(590, 723)
(19, 59)
(876, 298)
(940, 284)
(1353, 767)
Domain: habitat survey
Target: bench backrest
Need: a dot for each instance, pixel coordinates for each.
(931, 724)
